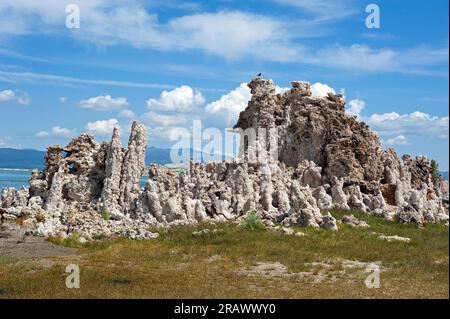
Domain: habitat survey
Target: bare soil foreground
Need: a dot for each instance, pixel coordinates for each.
(231, 261)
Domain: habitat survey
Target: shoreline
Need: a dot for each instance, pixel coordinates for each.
(17, 169)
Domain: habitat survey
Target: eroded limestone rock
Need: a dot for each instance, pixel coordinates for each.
(325, 159)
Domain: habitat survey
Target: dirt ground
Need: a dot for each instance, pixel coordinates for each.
(15, 245)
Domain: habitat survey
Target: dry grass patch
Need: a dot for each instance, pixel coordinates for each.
(321, 264)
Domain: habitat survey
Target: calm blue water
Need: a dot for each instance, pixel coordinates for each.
(18, 179)
(15, 179)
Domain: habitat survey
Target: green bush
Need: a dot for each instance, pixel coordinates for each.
(105, 215)
(252, 222)
(434, 171)
(72, 240)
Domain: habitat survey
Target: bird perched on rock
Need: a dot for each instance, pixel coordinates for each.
(258, 75)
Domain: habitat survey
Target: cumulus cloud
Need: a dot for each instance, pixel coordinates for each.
(166, 133)
(280, 90)
(320, 89)
(164, 119)
(103, 102)
(355, 107)
(231, 104)
(126, 114)
(181, 99)
(398, 140)
(102, 127)
(15, 96)
(57, 131)
(413, 123)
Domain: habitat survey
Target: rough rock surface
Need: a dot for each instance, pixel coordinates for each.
(325, 159)
(353, 221)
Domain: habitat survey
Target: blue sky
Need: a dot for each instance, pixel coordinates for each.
(57, 82)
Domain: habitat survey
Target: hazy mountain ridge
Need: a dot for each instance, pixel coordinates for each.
(31, 158)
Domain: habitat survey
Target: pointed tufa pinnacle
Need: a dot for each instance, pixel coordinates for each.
(133, 167)
(113, 170)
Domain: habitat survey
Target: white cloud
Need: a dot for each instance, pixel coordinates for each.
(7, 95)
(230, 105)
(355, 107)
(181, 99)
(281, 90)
(57, 131)
(414, 123)
(102, 127)
(126, 114)
(42, 134)
(398, 140)
(15, 96)
(166, 133)
(320, 89)
(31, 77)
(61, 131)
(359, 57)
(63, 99)
(103, 102)
(322, 10)
(163, 119)
(233, 35)
(229, 34)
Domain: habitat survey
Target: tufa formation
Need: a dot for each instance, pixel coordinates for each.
(325, 159)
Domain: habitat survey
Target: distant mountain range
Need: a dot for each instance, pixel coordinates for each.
(30, 158)
(25, 158)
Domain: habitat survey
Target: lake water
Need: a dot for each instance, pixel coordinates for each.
(17, 179)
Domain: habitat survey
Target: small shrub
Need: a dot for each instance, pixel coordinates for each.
(72, 240)
(105, 215)
(434, 171)
(99, 237)
(20, 220)
(40, 218)
(252, 222)
(57, 240)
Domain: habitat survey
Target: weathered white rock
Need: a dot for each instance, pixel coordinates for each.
(133, 168)
(113, 172)
(353, 221)
(326, 160)
(394, 238)
(338, 195)
(329, 222)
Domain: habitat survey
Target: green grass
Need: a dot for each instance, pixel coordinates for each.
(72, 240)
(105, 215)
(252, 222)
(180, 265)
